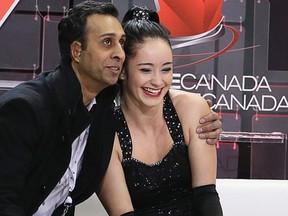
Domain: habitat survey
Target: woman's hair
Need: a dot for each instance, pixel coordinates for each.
(140, 23)
(73, 26)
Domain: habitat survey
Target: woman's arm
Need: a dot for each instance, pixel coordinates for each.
(113, 193)
(190, 108)
(202, 157)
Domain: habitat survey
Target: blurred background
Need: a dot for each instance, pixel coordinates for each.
(239, 62)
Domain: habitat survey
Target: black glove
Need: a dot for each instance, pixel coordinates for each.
(131, 213)
(206, 201)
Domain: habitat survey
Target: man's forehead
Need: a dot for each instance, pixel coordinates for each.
(104, 23)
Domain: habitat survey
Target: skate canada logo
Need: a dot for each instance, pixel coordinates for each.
(232, 92)
(6, 7)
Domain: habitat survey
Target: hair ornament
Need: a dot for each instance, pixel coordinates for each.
(140, 15)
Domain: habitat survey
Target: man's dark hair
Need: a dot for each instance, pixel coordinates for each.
(73, 26)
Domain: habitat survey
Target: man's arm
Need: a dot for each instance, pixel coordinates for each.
(16, 135)
(210, 127)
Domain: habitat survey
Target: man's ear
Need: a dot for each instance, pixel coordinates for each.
(122, 75)
(76, 50)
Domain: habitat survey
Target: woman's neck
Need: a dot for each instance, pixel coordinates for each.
(142, 116)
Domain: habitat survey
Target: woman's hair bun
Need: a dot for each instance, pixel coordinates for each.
(140, 13)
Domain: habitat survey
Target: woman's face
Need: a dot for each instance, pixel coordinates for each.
(149, 73)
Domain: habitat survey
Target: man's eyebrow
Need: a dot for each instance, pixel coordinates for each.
(111, 34)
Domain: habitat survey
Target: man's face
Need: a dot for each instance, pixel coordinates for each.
(100, 63)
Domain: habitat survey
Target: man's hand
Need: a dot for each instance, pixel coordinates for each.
(210, 128)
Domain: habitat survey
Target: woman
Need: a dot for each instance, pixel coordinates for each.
(159, 166)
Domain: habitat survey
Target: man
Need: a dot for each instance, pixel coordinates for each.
(49, 133)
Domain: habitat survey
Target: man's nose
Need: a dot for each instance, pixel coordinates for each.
(119, 52)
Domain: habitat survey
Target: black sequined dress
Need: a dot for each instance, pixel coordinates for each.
(163, 188)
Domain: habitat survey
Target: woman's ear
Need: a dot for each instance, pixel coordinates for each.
(76, 51)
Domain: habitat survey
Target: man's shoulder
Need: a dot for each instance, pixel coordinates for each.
(35, 92)
(25, 89)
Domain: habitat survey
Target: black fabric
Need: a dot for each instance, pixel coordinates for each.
(35, 139)
(39, 120)
(206, 201)
(132, 213)
(163, 188)
(101, 139)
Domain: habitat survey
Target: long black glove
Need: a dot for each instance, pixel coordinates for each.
(132, 213)
(206, 201)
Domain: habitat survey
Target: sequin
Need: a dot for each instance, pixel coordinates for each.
(163, 188)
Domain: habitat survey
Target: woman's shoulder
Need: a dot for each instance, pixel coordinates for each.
(190, 107)
(184, 99)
